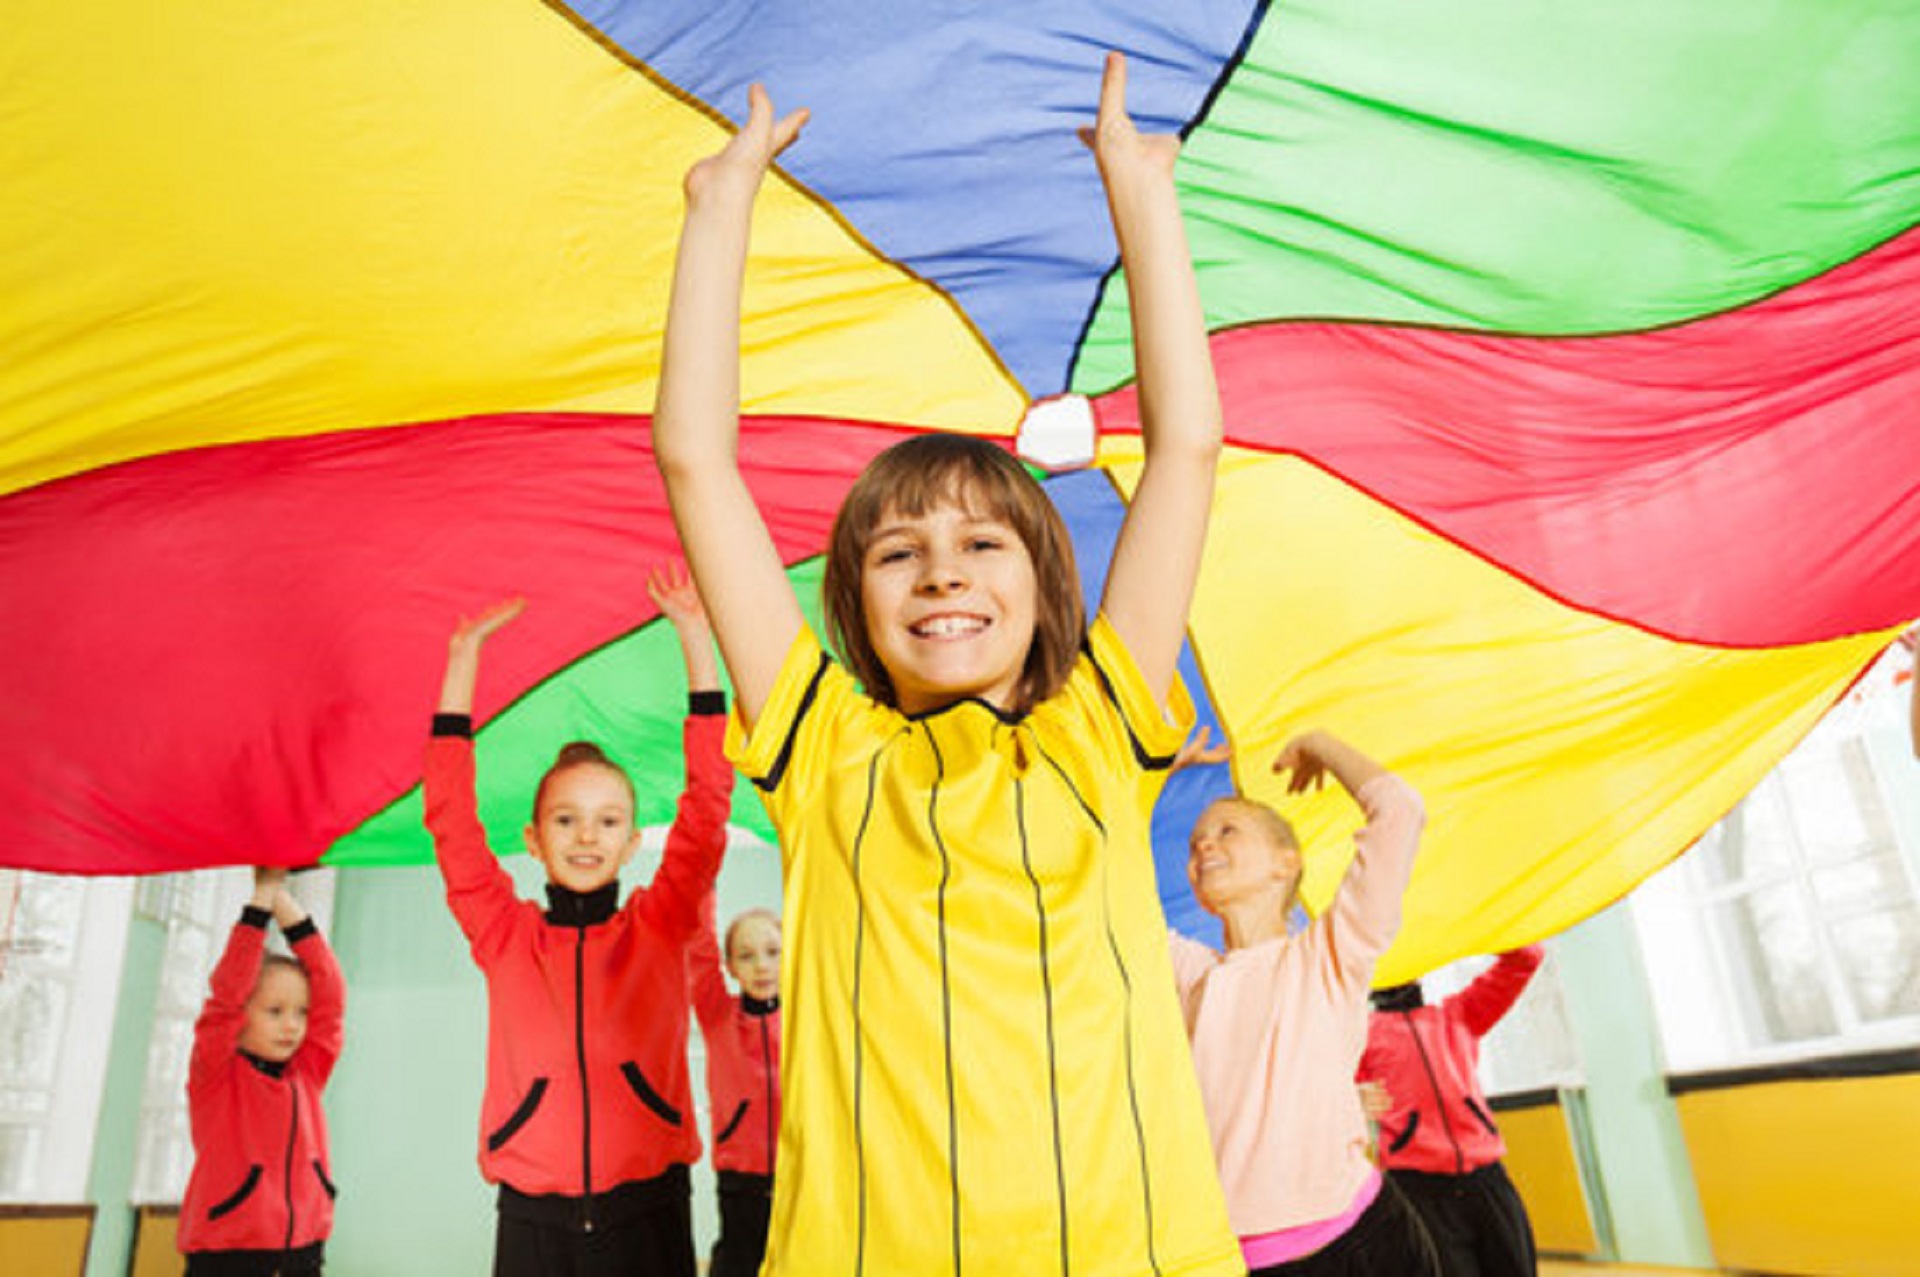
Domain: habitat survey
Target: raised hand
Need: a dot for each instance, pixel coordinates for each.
(1313, 756)
(1195, 752)
(742, 162)
(1303, 759)
(1118, 146)
(463, 654)
(673, 592)
(472, 631)
(268, 882)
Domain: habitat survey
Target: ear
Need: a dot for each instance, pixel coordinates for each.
(531, 837)
(633, 845)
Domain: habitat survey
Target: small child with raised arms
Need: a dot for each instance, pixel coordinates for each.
(742, 1036)
(984, 1069)
(587, 1122)
(260, 1199)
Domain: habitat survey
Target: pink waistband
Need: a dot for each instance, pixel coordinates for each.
(1264, 1250)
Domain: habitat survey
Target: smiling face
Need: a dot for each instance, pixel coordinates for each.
(753, 955)
(276, 1022)
(909, 484)
(1240, 852)
(583, 829)
(947, 596)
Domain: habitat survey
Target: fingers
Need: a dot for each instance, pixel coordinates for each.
(769, 134)
(1113, 89)
(474, 629)
(788, 128)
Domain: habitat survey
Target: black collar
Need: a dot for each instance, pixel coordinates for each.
(272, 1068)
(567, 908)
(754, 1006)
(1400, 997)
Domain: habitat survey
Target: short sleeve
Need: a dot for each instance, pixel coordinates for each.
(763, 752)
(1157, 735)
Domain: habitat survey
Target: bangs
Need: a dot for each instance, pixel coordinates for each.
(913, 478)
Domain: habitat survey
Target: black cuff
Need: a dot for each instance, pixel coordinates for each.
(713, 701)
(300, 931)
(460, 725)
(255, 916)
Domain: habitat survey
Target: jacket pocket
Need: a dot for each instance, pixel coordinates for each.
(648, 1096)
(1405, 1137)
(506, 1130)
(1486, 1119)
(325, 1183)
(240, 1194)
(733, 1124)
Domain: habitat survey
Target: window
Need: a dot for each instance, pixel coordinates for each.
(1792, 928)
(61, 945)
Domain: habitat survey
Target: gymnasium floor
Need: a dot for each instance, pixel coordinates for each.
(1559, 1268)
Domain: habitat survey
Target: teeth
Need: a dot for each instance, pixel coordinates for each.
(948, 626)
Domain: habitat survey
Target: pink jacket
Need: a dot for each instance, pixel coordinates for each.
(1428, 1060)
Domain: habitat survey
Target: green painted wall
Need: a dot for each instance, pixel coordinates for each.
(403, 1109)
(110, 1180)
(1647, 1178)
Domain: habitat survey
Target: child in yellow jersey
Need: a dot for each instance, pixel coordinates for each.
(985, 1068)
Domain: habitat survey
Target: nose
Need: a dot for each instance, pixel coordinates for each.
(940, 573)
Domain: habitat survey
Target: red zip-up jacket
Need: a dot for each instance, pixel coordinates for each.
(743, 1060)
(587, 1084)
(261, 1175)
(1428, 1059)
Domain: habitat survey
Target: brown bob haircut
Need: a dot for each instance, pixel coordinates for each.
(917, 475)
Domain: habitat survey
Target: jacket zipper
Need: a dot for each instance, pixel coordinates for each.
(293, 1136)
(586, 1096)
(1439, 1100)
(766, 1061)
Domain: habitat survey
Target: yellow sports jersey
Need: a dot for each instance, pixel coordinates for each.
(985, 1067)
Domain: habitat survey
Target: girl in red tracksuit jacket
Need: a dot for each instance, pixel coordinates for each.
(260, 1199)
(743, 1077)
(587, 1122)
(1438, 1141)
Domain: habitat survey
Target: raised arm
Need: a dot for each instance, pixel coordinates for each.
(1365, 914)
(216, 1031)
(706, 978)
(696, 424)
(326, 991)
(1493, 992)
(698, 837)
(478, 890)
(1150, 585)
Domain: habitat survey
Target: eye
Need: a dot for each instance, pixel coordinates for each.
(892, 554)
(984, 542)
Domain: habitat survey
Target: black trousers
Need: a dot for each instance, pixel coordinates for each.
(746, 1204)
(305, 1262)
(1476, 1220)
(1386, 1241)
(642, 1229)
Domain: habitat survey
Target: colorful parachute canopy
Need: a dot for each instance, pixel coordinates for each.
(1570, 356)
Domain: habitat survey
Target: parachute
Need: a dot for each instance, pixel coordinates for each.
(1570, 357)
